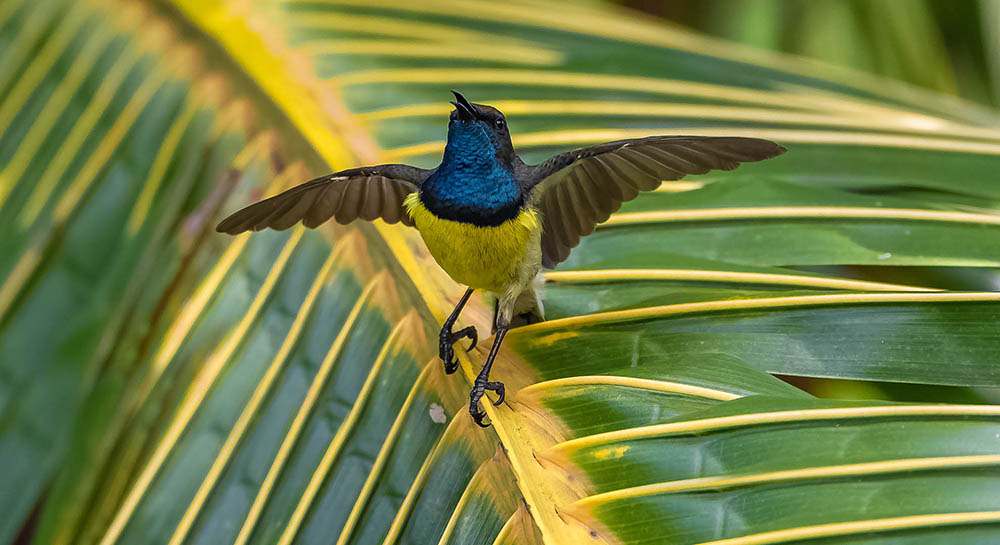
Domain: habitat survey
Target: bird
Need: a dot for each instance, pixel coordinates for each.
(492, 221)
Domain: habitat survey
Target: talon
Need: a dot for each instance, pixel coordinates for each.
(499, 389)
(443, 346)
(446, 350)
(474, 396)
(478, 418)
(447, 354)
(471, 333)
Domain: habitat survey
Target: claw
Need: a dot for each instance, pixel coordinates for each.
(446, 350)
(478, 417)
(471, 333)
(474, 396)
(477, 393)
(447, 353)
(499, 389)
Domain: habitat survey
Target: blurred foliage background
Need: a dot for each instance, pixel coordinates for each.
(947, 46)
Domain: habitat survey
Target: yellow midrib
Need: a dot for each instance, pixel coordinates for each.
(333, 355)
(196, 392)
(237, 433)
(774, 417)
(784, 135)
(751, 304)
(390, 348)
(724, 482)
(861, 527)
(618, 26)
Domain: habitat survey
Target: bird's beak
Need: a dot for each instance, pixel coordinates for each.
(466, 111)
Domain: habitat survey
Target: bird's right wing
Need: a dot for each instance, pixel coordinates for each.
(576, 190)
(367, 193)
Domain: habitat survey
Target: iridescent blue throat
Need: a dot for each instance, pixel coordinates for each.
(471, 185)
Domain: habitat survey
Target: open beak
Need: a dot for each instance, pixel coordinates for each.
(466, 111)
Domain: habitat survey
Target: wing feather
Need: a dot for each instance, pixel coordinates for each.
(278, 216)
(591, 192)
(391, 213)
(351, 200)
(323, 206)
(581, 214)
(579, 189)
(366, 192)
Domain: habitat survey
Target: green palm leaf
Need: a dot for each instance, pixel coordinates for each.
(160, 383)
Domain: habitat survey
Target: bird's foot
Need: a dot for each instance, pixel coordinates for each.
(446, 348)
(478, 390)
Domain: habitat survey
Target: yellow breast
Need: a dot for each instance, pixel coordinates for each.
(489, 258)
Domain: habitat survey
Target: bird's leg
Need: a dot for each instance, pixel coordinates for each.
(448, 338)
(482, 383)
(496, 315)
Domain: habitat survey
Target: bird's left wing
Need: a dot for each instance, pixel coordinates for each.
(367, 193)
(576, 190)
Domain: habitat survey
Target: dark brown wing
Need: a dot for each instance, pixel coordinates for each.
(577, 190)
(366, 193)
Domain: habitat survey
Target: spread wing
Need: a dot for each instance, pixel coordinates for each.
(577, 190)
(366, 193)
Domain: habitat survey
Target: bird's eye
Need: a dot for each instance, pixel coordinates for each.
(499, 123)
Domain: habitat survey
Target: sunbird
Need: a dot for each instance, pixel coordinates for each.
(492, 221)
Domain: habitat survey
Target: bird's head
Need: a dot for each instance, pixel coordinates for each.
(479, 126)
